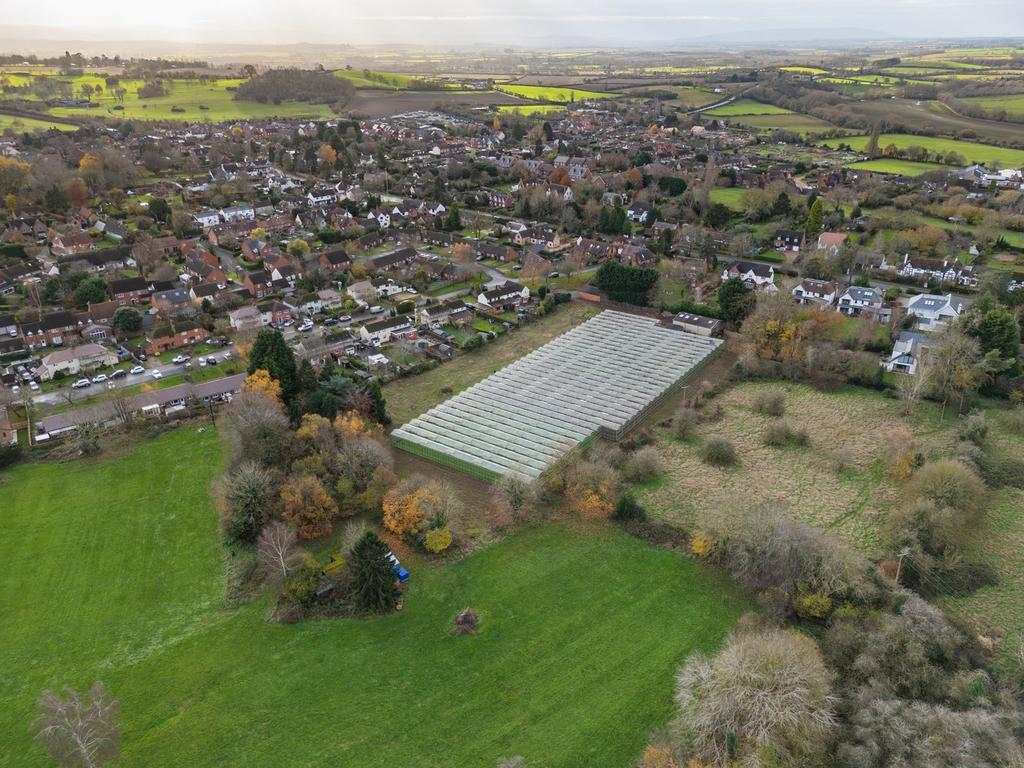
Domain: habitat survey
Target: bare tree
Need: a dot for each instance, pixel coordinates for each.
(912, 387)
(765, 692)
(515, 497)
(278, 553)
(79, 731)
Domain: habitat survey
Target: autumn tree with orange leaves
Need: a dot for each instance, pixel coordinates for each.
(307, 506)
(260, 381)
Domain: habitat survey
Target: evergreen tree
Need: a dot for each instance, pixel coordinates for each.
(997, 329)
(373, 583)
(270, 353)
(781, 206)
(815, 217)
(454, 221)
(735, 300)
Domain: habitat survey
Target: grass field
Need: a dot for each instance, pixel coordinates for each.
(556, 95)
(408, 398)
(532, 109)
(361, 78)
(796, 123)
(1013, 104)
(728, 196)
(935, 117)
(121, 581)
(191, 96)
(747, 107)
(804, 70)
(973, 153)
(22, 124)
(853, 501)
(686, 96)
(896, 167)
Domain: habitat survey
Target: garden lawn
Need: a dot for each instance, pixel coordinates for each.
(728, 196)
(409, 397)
(120, 581)
(972, 152)
(555, 94)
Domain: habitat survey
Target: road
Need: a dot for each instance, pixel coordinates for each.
(68, 394)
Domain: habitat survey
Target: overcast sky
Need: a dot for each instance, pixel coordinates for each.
(520, 23)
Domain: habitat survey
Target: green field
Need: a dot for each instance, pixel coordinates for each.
(747, 107)
(114, 573)
(804, 70)
(972, 152)
(1013, 104)
(22, 124)
(200, 101)
(361, 78)
(532, 109)
(791, 121)
(555, 94)
(728, 196)
(896, 167)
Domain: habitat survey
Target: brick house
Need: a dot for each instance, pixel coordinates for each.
(168, 336)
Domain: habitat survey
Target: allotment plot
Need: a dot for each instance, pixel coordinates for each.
(601, 377)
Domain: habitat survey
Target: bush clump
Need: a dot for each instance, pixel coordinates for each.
(685, 422)
(643, 465)
(719, 452)
(629, 510)
(770, 402)
(781, 432)
(974, 428)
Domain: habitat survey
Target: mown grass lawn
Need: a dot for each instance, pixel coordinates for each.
(897, 167)
(971, 151)
(113, 572)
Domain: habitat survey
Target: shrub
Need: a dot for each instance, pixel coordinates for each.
(1015, 420)
(300, 587)
(642, 465)
(9, 454)
(770, 402)
(782, 432)
(813, 605)
(974, 428)
(628, 510)
(948, 483)
(702, 544)
(719, 452)
(685, 422)
(437, 540)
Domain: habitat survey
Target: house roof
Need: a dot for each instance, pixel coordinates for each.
(742, 267)
(74, 353)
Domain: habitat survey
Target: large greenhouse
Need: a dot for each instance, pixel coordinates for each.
(600, 378)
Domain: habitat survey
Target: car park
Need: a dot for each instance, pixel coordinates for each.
(81, 384)
(136, 370)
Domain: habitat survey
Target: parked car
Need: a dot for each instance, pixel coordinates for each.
(211, 360)
(376, 309)
(330, 321)
(81, 384)
(202, 362)
(344, 318)
(288, 323)
(136, 370)
(15, 389)
(156, 374)
(120, 373)
(33, 386)
(552, 275)
(307, 325)
(100, 378)
(180, 359)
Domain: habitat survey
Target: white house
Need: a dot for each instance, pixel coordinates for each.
(933, 312)
(857, 300)
(506, 296)
(810, 291)
(74, 360)
(247, 318)
(320, 198)
(238, 213)
(381, 331)
(754, 274)
(205, 219)
(906, 353)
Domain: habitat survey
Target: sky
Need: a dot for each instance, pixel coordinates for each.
(515, 23)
